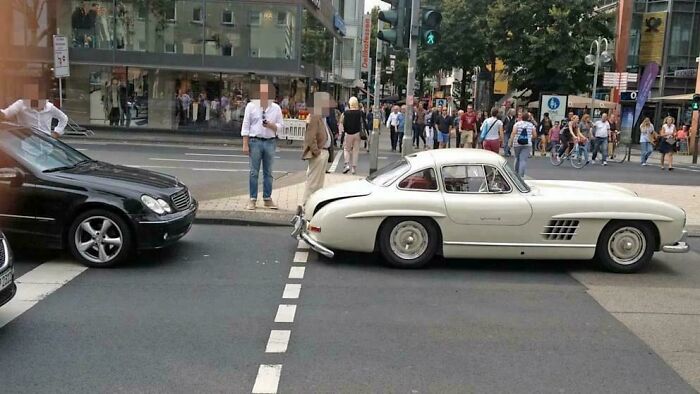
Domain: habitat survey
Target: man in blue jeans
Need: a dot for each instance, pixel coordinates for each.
(261, 123)
(600, 143)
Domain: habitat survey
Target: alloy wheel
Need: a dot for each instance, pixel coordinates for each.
(98, 239)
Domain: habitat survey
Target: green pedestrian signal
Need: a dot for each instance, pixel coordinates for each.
(695, 104)
(430, 38)
(430, 22)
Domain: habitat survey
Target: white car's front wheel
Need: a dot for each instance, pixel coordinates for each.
(625, 246)
(408, 242)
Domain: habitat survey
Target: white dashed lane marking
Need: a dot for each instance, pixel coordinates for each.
(279, 339)
(334, 166)
(302, 245)
(285, 313)
(301, 257)
(268, 378)
(291, 291)
(297, 272)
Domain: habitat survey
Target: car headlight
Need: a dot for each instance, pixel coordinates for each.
(158, 206)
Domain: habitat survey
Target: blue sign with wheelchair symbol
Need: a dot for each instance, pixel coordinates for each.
(553, 103)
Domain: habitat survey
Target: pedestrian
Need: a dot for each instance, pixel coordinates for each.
(456, 125)
(554, 134)
(436, 134)
(646, 137)
(429, 129)
(35, 114)
(444, 124)
(586, 128)
(419, 126)
(581, 138)
(392, 122)
(508, 123)
(543, 132)
(114, 97)
(261, 122)
(614, 137)
(401, 123)
(522, 135)
(492, 132)
(317, 142)
(353, 125)
(668, 142)
(600, 143)
(682, 138)
(467, 127)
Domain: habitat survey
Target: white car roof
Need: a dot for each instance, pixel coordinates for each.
(441, 157)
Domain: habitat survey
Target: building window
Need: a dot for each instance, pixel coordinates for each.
(282, 19)
(227, 17)
(227, 50)
(171, 13)
(197, 15)
(255, 18)
(170, 47)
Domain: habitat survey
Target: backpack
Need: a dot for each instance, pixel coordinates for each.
(523, 139)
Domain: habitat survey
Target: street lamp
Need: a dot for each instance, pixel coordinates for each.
(597, 58)
(475, 79)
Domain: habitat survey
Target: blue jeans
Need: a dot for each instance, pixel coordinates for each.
(522, 153)
(506, 144)
(600, 144)
(647, 150)
(261, 151)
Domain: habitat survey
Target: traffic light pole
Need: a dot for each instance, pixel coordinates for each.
(377, 117)
(411, 81)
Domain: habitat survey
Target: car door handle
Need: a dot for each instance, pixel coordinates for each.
(491, 219)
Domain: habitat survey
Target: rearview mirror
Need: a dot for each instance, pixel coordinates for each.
(12, 175)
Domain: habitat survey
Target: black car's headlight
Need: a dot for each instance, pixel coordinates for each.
(158, 206)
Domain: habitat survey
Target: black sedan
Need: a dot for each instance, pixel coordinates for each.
(53, 196)
(7, 272)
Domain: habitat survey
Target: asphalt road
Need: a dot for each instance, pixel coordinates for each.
(197, 317)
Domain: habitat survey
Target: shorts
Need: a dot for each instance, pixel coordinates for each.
(467, 136)
(443, 137)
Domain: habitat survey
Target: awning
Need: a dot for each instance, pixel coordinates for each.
(678, 97)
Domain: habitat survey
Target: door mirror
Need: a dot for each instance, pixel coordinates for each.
(12, 175)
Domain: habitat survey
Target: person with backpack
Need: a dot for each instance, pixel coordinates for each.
(523, 133)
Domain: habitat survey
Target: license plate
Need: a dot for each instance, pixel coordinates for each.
(5, 279)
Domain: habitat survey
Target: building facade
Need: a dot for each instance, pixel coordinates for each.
(179, 64)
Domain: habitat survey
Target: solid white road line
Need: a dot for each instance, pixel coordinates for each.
(36, 285)
(285, 313)
(198, 169)
(301, 257)
(334, 166)
(219, 155)
(160, 167)
(278, 342)
(198, 161)
(268, 379)
(297, 272)
(302, 245)
(291, 291)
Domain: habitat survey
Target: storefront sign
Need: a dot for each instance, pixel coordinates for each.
(61, 63)
(645, 84)
(651, 46)
(690, 73)
(366, 36)
(555, 105)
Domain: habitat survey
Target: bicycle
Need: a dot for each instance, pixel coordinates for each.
(620, 152)
(577, 156)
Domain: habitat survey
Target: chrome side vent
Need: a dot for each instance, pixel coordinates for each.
(560, 230)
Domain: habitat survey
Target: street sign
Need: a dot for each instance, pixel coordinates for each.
(61, 63)
(555, 105)
(366, 37)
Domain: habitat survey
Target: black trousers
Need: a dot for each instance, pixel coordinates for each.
(114, 117)
(393, 135)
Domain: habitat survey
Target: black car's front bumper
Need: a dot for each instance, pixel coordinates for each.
(6, 268)
(155, 233)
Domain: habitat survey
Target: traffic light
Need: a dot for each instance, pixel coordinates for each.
(399, 18)
(429, 25)
(695, 104)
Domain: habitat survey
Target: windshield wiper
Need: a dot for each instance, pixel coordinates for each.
(63, 168)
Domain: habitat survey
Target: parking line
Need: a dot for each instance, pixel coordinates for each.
(278, 342)
(301, 257)
(285, 313)
(268, 378)
(297, 272)
(38, 284)
(302, 245)
(291, 291)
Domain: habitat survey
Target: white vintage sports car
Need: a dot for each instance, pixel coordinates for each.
(469, 203)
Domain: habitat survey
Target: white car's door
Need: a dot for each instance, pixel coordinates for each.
(481, 195)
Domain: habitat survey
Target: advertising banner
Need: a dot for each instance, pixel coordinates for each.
(366, 37)
(555, 105)
(645, 85)
(651, 46)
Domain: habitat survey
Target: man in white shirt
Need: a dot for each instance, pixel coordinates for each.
(600, 143)
(35, 114)
(392, 123)
(261, 123)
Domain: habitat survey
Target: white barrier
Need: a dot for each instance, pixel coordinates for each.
(294, 130)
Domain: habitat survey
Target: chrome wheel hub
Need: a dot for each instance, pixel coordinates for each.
(409, 240)
(98, 239)
(627, 245)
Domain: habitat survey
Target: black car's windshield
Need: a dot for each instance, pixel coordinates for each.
(40, 151)
(386, 175)
(519, 182)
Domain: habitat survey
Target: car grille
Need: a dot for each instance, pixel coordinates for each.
(560, 230)
(181, 200)
(3, 255)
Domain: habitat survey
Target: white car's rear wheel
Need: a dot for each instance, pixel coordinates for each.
(625, 246)
(408, 242)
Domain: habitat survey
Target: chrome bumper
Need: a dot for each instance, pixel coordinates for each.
(679, 247)
(300, 232)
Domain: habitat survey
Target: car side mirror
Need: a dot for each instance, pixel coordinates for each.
(14, 175)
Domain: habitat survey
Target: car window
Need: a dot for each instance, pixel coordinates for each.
(387, 175)
(519, 182)
(38, 150)
(464, 179)
(496, 181)
(421, 180)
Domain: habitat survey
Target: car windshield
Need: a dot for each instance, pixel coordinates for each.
(40, 151)
(387, 175)
(519, 182)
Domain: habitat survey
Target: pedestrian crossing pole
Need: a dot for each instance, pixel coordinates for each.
(411, 79)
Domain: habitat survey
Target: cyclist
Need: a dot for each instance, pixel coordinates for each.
(567, 136)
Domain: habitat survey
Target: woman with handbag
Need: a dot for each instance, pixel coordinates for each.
(353, 122)
(668, 142)
(646, 137)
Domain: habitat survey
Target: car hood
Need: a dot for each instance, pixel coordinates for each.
(577, 188)
(115, 178)
(356, 188)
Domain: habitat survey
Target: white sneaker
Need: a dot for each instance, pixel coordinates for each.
(644, 164)
(605, 163)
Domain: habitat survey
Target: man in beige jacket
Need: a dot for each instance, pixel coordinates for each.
(317, 142)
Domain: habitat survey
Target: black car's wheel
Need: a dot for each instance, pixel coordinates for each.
(99, 238)
(625, 247)
(408, 242)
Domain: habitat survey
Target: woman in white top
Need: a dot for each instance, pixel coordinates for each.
(668, 142)
(521, 137)
(646, 131)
